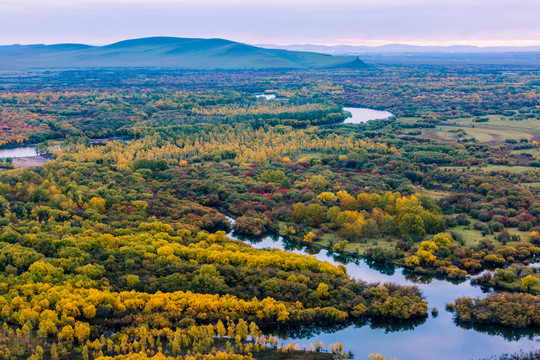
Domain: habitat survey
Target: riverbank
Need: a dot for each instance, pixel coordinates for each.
(28, 161)
(401, 340)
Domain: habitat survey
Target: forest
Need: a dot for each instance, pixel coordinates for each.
(119, 247)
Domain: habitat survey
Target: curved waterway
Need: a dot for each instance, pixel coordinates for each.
(362, 115)
(436, 337)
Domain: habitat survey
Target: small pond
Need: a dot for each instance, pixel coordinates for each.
(266, 96)
(362, 115)
(18, 152)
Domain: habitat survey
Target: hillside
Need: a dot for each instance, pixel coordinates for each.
(166, 53)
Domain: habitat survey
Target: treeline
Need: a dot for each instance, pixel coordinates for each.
(37, 116)
(84, 252)
(117, 249)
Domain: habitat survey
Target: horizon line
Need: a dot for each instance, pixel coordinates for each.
(347, 42)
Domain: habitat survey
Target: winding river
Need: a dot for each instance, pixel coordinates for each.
(438, 337)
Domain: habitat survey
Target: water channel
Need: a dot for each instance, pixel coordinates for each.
(436, 337)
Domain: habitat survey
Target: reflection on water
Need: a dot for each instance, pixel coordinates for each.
(417, 278)
(396, 325)
(433, 337)
(509, 334)
(266, 96)
(315, 330)
(18, 152)
(386, 269)
(362, 115)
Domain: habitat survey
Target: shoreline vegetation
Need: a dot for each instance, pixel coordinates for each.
(114, 249)
(511, 310)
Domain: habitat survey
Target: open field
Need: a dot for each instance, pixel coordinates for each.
(534, 152)
(489, 168)
(30, 161)
(496, 130)
(436, 194)
(360, 247)
(472, 237)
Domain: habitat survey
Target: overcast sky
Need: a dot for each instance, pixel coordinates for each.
(331, 22)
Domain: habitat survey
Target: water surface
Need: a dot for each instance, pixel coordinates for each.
(362, 115)
(266, 96)
(18, 152)
(437, 337)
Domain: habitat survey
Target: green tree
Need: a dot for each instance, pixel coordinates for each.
(299, 213)
(315, 215)
(318, 183)
(275, 176)
(411, 224)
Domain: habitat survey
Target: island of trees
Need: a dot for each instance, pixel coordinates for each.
(117, 248)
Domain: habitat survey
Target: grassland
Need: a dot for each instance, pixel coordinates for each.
(437, 194)
(534, 152)
(489, 168)
(496, 130)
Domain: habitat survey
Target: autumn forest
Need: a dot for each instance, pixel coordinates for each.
(137, 236)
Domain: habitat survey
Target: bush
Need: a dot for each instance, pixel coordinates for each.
(154, 165)
(525, 225)
(512, 310)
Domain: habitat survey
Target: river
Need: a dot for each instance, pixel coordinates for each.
(438, 337)
(29, 151)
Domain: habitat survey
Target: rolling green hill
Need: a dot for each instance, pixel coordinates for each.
(166, 53)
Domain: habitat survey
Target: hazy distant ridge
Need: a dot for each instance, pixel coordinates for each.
(403, 49)
(167, 53)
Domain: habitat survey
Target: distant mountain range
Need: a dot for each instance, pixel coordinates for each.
(457, 55)
(404, 49)
(167, 53)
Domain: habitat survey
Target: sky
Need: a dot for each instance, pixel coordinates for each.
(330, 22)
